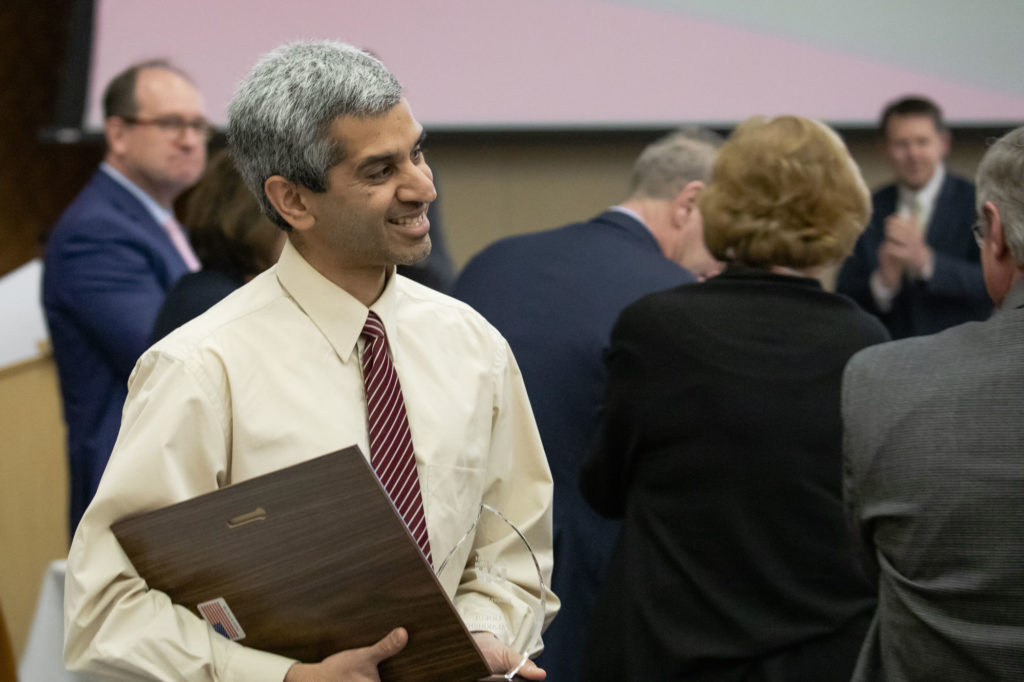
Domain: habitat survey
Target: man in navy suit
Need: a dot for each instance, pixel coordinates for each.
(555, 296)
(916, 265)
(115, 252)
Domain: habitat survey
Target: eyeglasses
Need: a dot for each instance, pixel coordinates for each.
(174, 125)
(979, 235)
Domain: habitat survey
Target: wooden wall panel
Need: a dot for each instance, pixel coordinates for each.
(33, 498)
(37, 180)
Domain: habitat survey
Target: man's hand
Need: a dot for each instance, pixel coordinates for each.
(906, 245)
(501, 658)
(353, 665)
(890, 267)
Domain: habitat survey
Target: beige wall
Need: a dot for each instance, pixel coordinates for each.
(515, 184)
(489, 190)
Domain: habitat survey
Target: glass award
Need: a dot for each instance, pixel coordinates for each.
(480, 545)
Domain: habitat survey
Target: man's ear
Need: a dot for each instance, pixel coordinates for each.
(290, 201)
(995, 239)
(945, 140)
(115, 128)
(685, 202)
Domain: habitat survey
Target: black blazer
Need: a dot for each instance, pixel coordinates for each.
(956, 291)
(190, 297)
(721, 448)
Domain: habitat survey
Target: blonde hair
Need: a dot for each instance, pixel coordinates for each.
(784, 191)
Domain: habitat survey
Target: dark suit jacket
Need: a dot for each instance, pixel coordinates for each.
(555, 296)
(190, 297)
(106, 269)
(934, 484)
(956, 291)
(721, 446)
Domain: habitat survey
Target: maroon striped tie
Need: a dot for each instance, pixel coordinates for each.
(391, 453)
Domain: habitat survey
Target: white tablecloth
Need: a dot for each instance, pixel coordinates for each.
(43, 659)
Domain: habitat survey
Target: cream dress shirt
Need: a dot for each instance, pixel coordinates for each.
(271, 377)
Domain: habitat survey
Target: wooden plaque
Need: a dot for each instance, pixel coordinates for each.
(310, 560)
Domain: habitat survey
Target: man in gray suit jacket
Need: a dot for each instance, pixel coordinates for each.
(934, 469)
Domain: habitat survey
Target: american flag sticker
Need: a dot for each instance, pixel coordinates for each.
(217, 614)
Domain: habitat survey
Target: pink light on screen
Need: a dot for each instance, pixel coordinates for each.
(532, 63)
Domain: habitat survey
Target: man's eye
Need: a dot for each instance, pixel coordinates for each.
(418, 154)
(381, 173)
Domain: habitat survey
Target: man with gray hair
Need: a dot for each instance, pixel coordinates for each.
(934, 482)
(274, 375)
(555, 296)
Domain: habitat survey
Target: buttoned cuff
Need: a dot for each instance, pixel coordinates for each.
(253, 665)
(929, 267)
(882, 294)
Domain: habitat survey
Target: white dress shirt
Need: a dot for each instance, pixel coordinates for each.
(924, 198)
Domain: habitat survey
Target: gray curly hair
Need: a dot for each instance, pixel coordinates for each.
(280, 117)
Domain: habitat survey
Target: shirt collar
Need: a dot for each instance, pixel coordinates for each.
(632, 214)
(738, 271)
(926, 195)
(339, 316)
(160, 214)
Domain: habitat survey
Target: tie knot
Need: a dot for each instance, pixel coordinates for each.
(374, 328)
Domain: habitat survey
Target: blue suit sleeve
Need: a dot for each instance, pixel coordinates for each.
(113, 293)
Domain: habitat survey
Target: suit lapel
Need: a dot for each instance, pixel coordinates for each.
(886, 204)
(127, 204)
(139, 217)
(940, 232)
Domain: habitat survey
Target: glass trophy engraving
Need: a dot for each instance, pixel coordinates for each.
(483, 542)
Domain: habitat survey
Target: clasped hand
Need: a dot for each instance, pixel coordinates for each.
(902, 251)
(360, 665)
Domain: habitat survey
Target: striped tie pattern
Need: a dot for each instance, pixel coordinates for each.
(391, 453)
